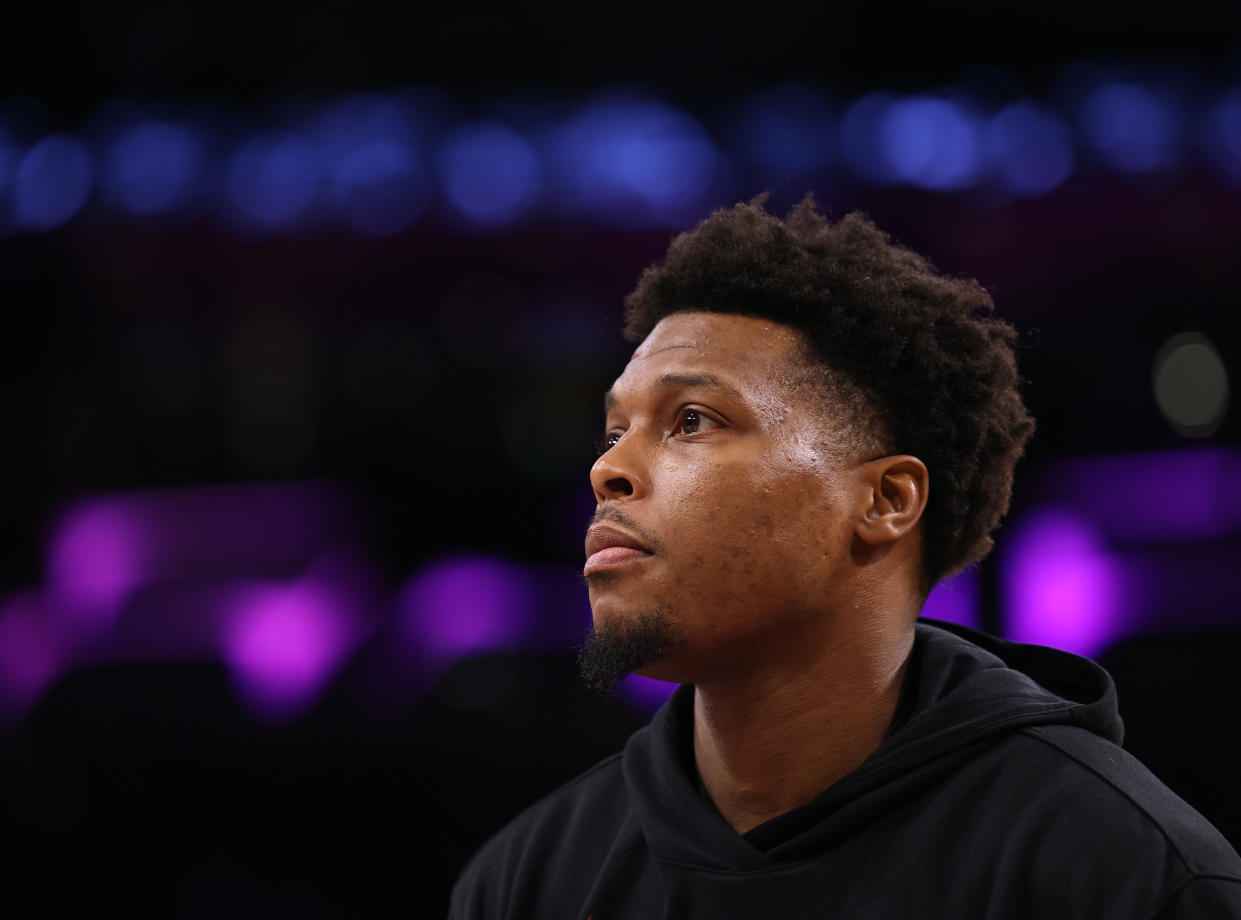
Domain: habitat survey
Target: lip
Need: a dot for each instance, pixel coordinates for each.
(609, 548)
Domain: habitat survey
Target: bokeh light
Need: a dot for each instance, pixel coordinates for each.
(1222, 135)
(1191, 384)
(30, 657)
(381, 188)
(628, 161)
(52, 182)
(1061, 587)
(467, 605)
(1133, 127)
(490, 174)
(786, 130)
(153, 167)
(283, 641)
(930, 142)
(1029, 149)
(97, 554)
(275, 181)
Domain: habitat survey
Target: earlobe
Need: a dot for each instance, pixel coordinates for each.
(894, 493)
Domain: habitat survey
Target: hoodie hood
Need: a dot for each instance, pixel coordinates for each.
(963, 690)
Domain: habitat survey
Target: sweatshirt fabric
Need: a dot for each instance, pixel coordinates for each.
(1001, 791)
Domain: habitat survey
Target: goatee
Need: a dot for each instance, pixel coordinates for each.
(622, 646)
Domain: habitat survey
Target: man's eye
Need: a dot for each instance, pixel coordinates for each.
(606, 443)
(691, 421)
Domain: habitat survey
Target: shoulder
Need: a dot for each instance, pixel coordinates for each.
(567, 823)
(1115, 796)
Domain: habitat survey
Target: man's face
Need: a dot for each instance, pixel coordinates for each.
(720, 462)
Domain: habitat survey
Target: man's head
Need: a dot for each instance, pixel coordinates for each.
(812, 416)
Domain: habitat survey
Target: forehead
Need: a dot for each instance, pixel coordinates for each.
(758, 358)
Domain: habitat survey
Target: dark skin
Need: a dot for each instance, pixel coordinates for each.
(786, 563)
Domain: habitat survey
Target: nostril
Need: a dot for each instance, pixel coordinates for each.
(620, 485)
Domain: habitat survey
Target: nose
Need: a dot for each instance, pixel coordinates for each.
(618, 473)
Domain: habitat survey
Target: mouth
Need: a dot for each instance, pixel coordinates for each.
(610, 549)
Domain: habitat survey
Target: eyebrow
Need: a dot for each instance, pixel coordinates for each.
(679, 381)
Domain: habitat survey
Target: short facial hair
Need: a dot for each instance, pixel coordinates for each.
(622, 646)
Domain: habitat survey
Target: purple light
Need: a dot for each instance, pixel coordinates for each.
(465, 605)
(29, 656)
(1060, 586)
(53, 182)
(96, 556)
(644, 694)
(284, 642)
(1166, 496)
(1029, 148)
(956, 600)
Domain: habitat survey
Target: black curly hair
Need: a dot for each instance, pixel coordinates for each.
(915, 361)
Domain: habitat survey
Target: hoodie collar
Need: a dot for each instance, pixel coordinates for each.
(962, 687)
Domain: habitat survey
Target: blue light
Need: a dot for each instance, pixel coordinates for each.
(930, 142)
(1133, 128)
(860, 138)
(275, 181)
(381, 188)
(630, 161)
(489, 174)
(1029, 149)
(787, 130)
(8, 161)
(1222, 135)
(359, 121)
(153, 167)
(52, 182)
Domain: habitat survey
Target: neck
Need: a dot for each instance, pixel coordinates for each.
(779, 737)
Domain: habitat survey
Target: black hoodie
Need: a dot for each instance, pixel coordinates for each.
(1001, 791)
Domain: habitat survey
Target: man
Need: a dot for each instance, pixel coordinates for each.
(814, 429)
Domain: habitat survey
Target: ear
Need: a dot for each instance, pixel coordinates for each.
(892, 493)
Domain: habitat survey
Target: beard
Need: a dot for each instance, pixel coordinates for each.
(622, 646)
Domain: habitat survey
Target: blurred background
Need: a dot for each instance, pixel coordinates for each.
(308, 312)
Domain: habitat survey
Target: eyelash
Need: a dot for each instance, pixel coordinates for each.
(604, 443)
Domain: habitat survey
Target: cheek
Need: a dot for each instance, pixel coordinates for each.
(737, 533)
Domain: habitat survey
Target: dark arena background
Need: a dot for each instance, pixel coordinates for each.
(307, 316)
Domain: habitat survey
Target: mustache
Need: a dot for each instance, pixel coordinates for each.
(613, 515)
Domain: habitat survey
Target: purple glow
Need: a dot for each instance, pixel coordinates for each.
(1060, 587)
(283, 643)
(102, 548)
(465, 605)
(29, 657)
(956, 600)
(96, 556)
(644, 693)
(1166, 496)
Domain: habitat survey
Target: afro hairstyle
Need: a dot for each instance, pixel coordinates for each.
(913, 360)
